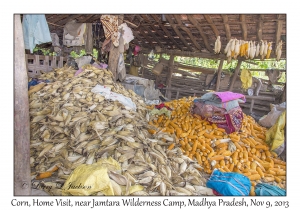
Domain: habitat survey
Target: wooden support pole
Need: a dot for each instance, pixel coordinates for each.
(212, 25)
(22, 179)
(219, 75)
(114, 55)
(177, 94)
(236, 72)
(169, 77)
(251, 105)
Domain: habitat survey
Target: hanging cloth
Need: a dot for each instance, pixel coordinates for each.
(127, 33)
(35, 31)
(246, 79)
(110, 26)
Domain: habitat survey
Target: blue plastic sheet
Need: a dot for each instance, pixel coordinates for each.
(264, 189)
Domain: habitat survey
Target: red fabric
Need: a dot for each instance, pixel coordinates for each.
(231, 121)
(162, 105)
(216, 193)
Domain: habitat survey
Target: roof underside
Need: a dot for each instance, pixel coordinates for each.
(190, 32)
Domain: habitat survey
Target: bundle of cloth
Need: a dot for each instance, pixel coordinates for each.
(221, 108)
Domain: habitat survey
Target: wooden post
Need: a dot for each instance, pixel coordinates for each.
(236, 72)
(219, 75)
(169, 77)
(114, 55)
(177, 94)
(251, 105)
(283, 96)
(22, 179)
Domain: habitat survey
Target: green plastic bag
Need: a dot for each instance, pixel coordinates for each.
(275, 135)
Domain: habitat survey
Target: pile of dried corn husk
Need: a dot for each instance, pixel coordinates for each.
(71, 126)
(243, 152)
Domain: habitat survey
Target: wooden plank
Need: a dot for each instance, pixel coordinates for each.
(236, 72)
(281, 70)
(265, 98)
(204, 37)
(169, 77)
(251, 62)
(212, 25)
(189, 33)
(192, 68)
(255, 107)
(185, 91)
(194, 54)
(260, 27)
(22, 179)
(169, 19)
(244, 27)
(166, 32)
(278, 30)
(227, 27)
(219, 74)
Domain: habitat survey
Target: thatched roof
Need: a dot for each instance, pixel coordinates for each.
(190, 32)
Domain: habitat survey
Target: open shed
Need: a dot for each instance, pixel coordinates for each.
(168, 36)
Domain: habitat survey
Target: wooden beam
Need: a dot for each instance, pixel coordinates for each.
(189, 33)
(92, 19)
(168, 34)
(227, 27)
(169, 19)
(260, 27)
(255, 107)
(88, 18)
(169, 77)
(65, 20)
(145, 17)
(264, 98)
(251, 62)
(244, 27)
(194, 54)
(219, 75)
(236, 72)
(212, 25)
(205, 40)
(22, 178)
(278, 30)
(57, 18)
